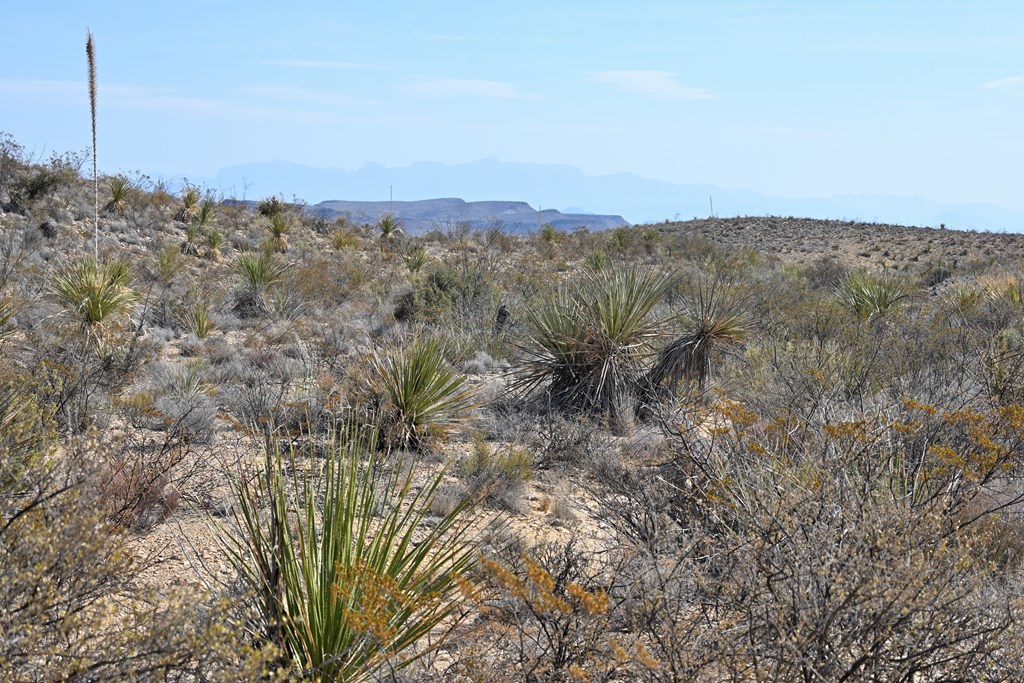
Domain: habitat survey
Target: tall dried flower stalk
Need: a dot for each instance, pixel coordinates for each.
(90, 53)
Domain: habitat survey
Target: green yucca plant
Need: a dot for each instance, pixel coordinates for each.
(188, 247)
(215, 240)
(6, 314)
(189, 205)
(206, 214)
(259, 270)
(415, 258)
(167, 263)
(120, 193)
(279, 226)
(93, 292)
(549, 234)
(716, 320)
(348, 577)
(870, 295)
(198, 319)
(587, 346)
(425, 396)
(596, 260)
(389, 227)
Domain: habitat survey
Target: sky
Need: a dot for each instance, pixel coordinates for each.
(794, 99)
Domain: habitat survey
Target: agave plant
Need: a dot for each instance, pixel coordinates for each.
(425, 396)
(93, 292)
(120, 192)
(588, 345)
(348, 577)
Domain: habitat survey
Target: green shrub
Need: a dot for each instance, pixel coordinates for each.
(270, 207)
(343, 240)
(444, 291)
(498, 475)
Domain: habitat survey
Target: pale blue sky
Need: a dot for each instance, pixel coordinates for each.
(788, 98)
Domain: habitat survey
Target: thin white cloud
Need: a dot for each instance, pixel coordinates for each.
(139, 97)
(71, 92)
(467, 87)
(661, 85)
(289, 93)
(1014, 84)
(319, 64)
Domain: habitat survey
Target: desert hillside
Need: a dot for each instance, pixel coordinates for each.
(855, 244)
(247, 442)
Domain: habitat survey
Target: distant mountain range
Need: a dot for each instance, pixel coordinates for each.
(425, 215)
(639, 200)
